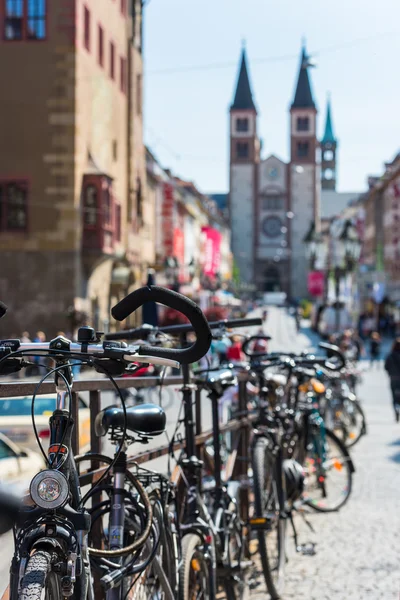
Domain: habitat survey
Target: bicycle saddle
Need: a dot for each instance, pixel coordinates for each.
(146, 419)
(217, 380)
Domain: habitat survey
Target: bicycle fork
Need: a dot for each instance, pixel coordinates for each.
(117, 517)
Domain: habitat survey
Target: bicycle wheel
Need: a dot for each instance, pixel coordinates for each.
(39, 581)
(167, 396)
(194, 577)
(271, 541)
(355, 422)
(159, 579)
(328, 473)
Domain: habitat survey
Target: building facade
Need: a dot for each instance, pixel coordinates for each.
(273, 203)
(76, 229)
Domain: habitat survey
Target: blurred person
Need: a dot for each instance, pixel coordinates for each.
(392, 366)
(375, 348)
(25, 338)
(235, 352)
(260, 345)
(40, 361)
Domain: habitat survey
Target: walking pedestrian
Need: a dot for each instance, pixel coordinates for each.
(375, 348)
(392, 366)
(40, 361)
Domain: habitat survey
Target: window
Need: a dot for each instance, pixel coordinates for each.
(273, 203)
(139, 94)
(100, 47)
(90, 206)
(242, 150)
(107, 208)
(86, 28)
(5, 451)
(13, 205)
(242, 124)
(302, 149)
(118, 222)
(122, 80)
(303, 123)
(123, 7)
(24, 19)
(115, 150)
(139, 201)
(112, 60)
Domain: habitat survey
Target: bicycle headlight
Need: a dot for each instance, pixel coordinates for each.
(49, 489)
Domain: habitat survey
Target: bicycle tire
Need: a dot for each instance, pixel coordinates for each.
(193, 562)
(346, 460)
(39, 578)
(167, 396)
(362, 430)
(263, 460)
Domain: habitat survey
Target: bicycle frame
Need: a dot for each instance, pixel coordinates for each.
(64, 533)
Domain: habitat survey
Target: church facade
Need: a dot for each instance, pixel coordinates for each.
(272, 204)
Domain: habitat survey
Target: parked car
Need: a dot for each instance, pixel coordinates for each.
(18, 465)
(16, 421)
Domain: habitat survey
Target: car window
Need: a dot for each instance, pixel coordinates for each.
(21, 407)
(6, 451)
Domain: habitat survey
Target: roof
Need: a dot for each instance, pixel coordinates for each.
(303, 97)
(329, 137)
(333, 202)
(243, 96)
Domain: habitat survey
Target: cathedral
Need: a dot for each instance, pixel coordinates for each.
(272, 204)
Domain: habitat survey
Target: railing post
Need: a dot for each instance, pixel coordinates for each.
(95, 446)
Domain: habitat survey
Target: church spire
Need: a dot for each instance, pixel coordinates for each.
(329, 137)
(243, 96)
(303, 97)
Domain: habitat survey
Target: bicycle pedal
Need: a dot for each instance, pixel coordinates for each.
(259, 523)
(307, 549)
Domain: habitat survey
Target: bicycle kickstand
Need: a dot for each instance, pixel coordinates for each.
(307, 549)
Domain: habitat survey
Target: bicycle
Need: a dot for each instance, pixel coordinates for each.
(210, 530)
(52, 553)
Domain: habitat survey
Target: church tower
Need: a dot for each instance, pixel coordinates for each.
(305, 179)
(328, 153)
(244, 158)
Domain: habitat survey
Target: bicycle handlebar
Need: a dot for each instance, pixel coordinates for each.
(3, 309)
(10, 505)
(144, 332)
(198, 322)
(253, 338)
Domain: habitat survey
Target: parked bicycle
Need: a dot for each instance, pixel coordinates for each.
(52, 553)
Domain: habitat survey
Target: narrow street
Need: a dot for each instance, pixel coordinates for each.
(358, 548)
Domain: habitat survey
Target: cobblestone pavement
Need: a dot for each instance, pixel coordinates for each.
(358, 548)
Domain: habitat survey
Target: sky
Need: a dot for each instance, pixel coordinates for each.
(192, 51)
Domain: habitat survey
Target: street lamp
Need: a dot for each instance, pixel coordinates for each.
(314, 246)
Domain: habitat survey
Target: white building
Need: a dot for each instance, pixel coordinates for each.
(272, 204)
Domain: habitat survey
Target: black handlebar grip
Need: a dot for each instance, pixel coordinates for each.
(10, 505)
(251, 339)
(233, 323)
(3, 309)
(178, 302)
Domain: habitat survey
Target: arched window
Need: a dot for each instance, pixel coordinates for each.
(90, 197)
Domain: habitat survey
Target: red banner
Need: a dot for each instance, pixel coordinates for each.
(211, 254)
(316, 283)
(167, 213)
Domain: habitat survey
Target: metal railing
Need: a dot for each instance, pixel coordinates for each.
(96, 386)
